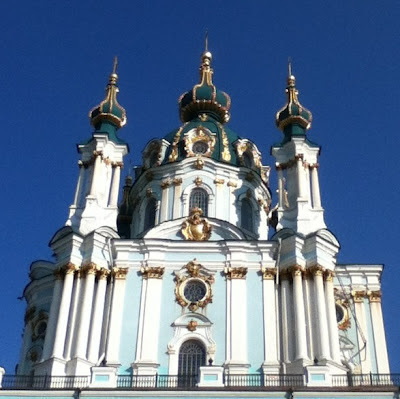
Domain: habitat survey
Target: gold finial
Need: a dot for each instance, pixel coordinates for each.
(291, 78)
(114, 76)
(206, 41)
(115, 66)
(207, 56)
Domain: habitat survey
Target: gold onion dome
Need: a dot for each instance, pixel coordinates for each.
(204, 98)
(293, 119)
(109, 111)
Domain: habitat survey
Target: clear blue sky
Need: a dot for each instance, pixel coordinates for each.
(55, 60)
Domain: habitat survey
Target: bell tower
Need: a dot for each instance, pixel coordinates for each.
(96, 196)
(299, 206)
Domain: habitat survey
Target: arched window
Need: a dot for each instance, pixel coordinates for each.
(247, 159)
(192, 356)
(199, 199)
(150, 214)
(247, 215)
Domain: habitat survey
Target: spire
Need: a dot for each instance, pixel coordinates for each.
(293, 119)
(109, 114)
(204, 97)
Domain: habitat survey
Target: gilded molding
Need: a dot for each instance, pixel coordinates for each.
(89, 268)
(358, 296)
(226, 155)
(345, 322)
(329, 275)
(199, 134)
(152, 272)
(198, 181)
(120, 273)
(219, 181)
(235, 273)
(177, 181)
(69, 268)
(232, 183)
(165, 183)
(374, 296)
(296, 270)
(316, 271)
(195, 227)
(243, 146)
(198, 163)
(103, 273)
(192, 325)
(195, 274)
(174, 148)
(268, 273)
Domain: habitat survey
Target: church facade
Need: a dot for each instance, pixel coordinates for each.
(197, 280)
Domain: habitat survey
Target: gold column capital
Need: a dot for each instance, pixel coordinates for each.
(268, 273)
(358, 295)
(296, 270)
(89, 268)
(103, 273)
(219, 181)
(177, 181)
(374, 296)
(152, 272)
(119, 273)
(329, 275)
(316, 271)
(235, 273)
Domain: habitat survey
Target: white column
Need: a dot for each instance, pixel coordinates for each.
(300, 177)
(177, 212)
(287, 328)
(73, 316)
(237, 355)
(149, 319)
(106, 317)
(332, 322)
(96, 170)
(299, 315)
(378, 328)
(89, 271)
(114, 332)
(219, 195)
(115, 185)
(358, 297)
(97, 317)
(164, 201)
(270, 322)
(280, 186)
(316, 195)
(79, 185)
(322, 325)
(53, 316)
(61, 329)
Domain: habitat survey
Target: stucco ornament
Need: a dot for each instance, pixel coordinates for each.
(196, 228)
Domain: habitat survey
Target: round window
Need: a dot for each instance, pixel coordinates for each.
(200, 147)
(194, 291)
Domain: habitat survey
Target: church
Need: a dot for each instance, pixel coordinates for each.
(191, 278)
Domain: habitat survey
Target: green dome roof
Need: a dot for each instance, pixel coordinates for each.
(109, 116)
(205, 98)
(293, 119)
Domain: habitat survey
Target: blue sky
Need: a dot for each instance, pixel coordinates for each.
(56, 58)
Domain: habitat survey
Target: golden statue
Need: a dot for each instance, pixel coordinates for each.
(196, 228)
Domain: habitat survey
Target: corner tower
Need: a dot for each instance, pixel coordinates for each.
(96, 196)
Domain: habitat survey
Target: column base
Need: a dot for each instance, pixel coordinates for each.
(145, 368)
(297, 366)
(233, 367)
(52, 366)
(271, 368)
(78, 366)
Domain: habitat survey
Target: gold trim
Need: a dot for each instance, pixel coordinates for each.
(103, 273)
(226, 155)
(198, 181)
(152, 272)
(165, 183)
(177, 181)
(232, 183)
(89, 268)
(374, 296)
(235, 273)
(268, 273)
(219, 181)
(174, 146)
(120, 273)
(296, 270)
(358, 296)
(196, 228)
(202, 134)
(316, 271)
(198, 163)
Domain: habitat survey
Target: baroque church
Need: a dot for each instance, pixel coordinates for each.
(197, 279)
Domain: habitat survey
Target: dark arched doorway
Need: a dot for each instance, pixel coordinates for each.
(192, 356)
